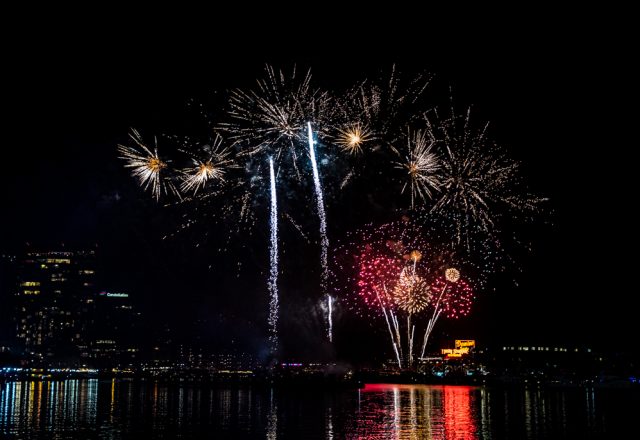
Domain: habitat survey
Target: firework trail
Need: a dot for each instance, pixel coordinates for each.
(273, 273)
(324, 240)
(454, 300)
(330, 316)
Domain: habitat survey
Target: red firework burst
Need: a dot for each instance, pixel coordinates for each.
(456, 297)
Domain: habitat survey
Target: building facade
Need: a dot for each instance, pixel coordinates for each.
(52, 298)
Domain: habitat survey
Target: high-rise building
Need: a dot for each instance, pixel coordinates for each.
(113, 329)
(53, 295)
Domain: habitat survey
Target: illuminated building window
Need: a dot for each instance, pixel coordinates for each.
(30, 283)
(58, 260)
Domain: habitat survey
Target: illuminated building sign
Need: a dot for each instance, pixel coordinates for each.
(461, 343)
(455, 352)
(114, 295)
(30, 283)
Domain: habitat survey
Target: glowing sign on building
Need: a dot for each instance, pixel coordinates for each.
(461, 343)
(114, 295)
(455, 352)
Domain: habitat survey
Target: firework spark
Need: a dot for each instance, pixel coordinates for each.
(146, 165)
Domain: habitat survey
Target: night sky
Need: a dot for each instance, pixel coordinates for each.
(558, 100)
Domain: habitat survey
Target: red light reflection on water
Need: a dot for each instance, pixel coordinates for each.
(417, 411)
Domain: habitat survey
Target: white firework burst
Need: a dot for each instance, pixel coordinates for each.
(421, 166)
(477, 180)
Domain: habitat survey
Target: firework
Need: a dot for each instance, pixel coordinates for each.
(459, 182)
(412, 293)
(272, 118)
(273, 273)
(351, 138)
(324, 240)
(453, 300)
(146, 165)
(395, 265)
(382, 105)
(214, 167)
(401, 271)
(421, 166)
(452, 274)
(457, 299)
(415, 256)
(477, 180)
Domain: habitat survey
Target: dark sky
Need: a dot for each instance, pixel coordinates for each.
(558, 97)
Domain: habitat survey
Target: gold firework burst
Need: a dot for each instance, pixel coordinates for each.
(412, 293)
(351, 138)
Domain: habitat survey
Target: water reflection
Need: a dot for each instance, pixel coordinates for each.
(47, 406)
(272, 418)
(111, 409)
(416, 412)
